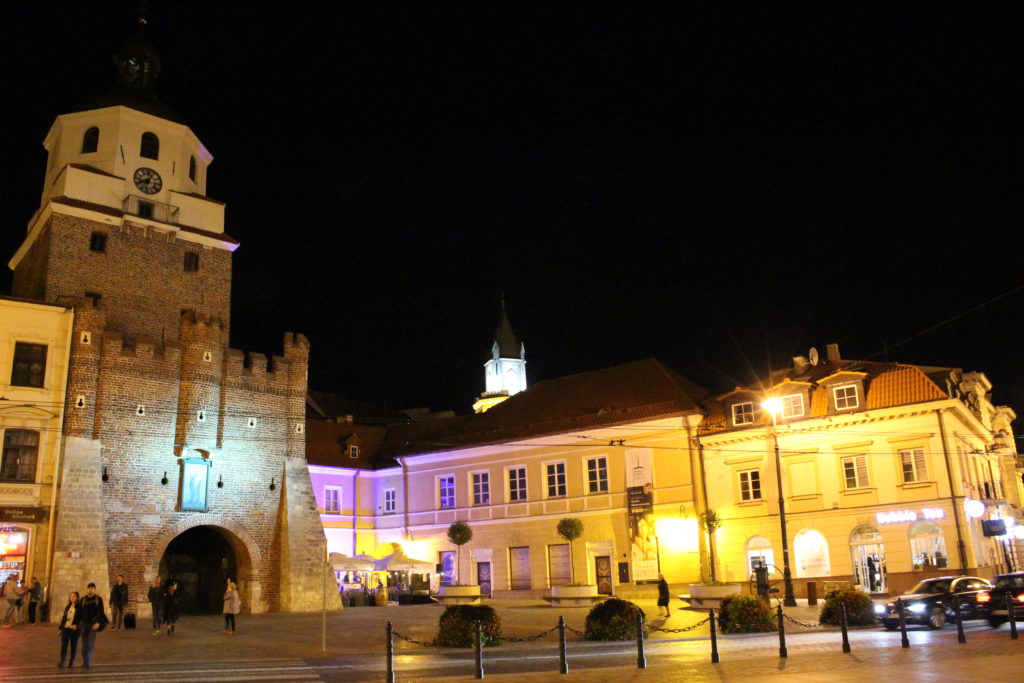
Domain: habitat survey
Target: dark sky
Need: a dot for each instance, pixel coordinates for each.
(719, 188)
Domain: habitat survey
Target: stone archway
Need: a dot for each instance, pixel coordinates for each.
(247, 558)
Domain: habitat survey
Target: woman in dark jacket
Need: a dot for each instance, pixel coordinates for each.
(69, 630)
(663, 594)
(170, 607)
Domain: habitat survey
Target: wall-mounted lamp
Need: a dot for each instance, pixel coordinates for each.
(272, 484)
(105, 477)
(164, 480)
(220, 481)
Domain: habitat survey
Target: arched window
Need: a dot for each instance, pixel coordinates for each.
(810, 549)
(150, 147)
(21, 446)
(865, 533)
(928, 546)
(91, 140)
(192, 168)
(759, 551)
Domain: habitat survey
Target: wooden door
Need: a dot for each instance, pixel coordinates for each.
(483, 578)
(603, 572)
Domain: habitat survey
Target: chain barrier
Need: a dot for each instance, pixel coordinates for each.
(413, 641)
(581, 634)
(652, 627)
(530, 639)
(805, 624)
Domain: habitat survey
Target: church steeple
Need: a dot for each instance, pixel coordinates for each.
(505, 371)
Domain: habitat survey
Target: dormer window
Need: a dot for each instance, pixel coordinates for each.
(845, 397)
(192, 168)
(150, 147)
(91, 140)
(742, 414)
(353, 452)
(793, 406)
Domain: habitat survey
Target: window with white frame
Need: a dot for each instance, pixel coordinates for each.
(597, 475)
(332, 499)
(793, 405)
(481, 488)
(750, 485)
(390, 502)
(743, 413)
(446, 491)
(556, 479)
(913, 464)
(516, 484)
(845, 397)
(855, 471)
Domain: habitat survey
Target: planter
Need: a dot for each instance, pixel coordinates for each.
(573, 596)
(458, 595)
(703, 596)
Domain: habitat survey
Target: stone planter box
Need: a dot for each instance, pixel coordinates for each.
(457, 595)
(710, 597)
(573, 596)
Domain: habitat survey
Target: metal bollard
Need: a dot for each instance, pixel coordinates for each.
(714, 638)
(783, 652)
(843, 625)
(563, 661)
(904, 641)
(1013, 617)
(479, 650)
(641, 658)
(961, 637)
(389, 677)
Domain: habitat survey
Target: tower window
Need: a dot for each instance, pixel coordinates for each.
(91, 140)
(191, 262)
(191, 168)
(98, 242)
(150, 147)
(146, 210)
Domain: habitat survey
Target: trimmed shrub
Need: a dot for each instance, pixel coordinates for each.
(612, 619)
(860, 610)
(457, 626)
(745, 614)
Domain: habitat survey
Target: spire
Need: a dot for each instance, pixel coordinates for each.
(138, 60)
(505, 343)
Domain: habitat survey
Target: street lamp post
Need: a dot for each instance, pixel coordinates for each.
(773, 406)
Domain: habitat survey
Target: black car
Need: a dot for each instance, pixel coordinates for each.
(1005, 588)
(932, 602)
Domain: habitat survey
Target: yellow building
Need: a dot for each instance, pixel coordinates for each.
(34, 343)
(888, 472)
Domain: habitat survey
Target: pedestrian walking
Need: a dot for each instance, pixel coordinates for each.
(20, 589)
(156, 600)
(170, 607)
(118, 602)
(9, 590)
(663, 594)
(232, 606)
(35, 596)
(68, 630)
(92, 618)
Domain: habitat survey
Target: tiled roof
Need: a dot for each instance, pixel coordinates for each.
(327, 444)
(324, 405)
(901, 385)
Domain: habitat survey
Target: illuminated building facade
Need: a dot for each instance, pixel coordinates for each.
(888, 473)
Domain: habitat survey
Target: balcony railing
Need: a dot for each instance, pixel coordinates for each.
(150, 210)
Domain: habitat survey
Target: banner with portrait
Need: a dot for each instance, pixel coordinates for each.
(640, 502)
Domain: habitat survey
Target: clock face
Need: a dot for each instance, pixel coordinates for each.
(148, 180)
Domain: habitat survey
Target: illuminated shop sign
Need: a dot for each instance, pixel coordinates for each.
(12, 542)
(897, 516)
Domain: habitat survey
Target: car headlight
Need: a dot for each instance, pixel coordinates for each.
(879, 609)
(916, 608)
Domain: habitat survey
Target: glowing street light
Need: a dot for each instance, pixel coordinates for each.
(774, 406)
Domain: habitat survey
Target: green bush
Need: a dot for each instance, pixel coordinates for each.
(745, 614)
(612, 619)
(860, 610)
(457, 626)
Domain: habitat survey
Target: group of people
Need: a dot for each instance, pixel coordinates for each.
(15, 591)
(84, 617)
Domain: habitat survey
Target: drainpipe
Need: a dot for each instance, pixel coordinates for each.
(355, 512)
(960, 547)
(405, 498)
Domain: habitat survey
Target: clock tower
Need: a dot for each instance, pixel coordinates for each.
(505, 371)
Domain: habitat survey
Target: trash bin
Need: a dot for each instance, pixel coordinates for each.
(812, 592)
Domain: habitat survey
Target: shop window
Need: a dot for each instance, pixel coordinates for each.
(559, 566)
(15, 541)
(91, 140)
(928, 546)
(810, 550)
(743, 414)
(760, 553)
(519, 568)
(446, 491)
(29, 366)
(481, 488)
(556, 479)
(914, 466)
(597, 475)
(750, 485)
(21, 448)
(149, 147)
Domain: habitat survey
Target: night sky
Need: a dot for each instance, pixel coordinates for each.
(720, 188)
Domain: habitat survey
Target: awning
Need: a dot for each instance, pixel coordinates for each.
(345, 563)
(401, 563)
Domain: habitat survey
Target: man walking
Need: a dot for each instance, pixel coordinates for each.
(35, 596)
(156, 599)
(118, 602)
(92, 619)
(10, 593)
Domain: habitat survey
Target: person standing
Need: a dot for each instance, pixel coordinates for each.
(663, 594)
(92, 618)
(156, 599)
(69, 630)
(170, 607)
(10, 592)
(35, 596)
(118, 602)
(232, 606)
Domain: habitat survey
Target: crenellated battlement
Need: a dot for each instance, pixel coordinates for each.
(142, 348)
(254, 370)
(200, 327)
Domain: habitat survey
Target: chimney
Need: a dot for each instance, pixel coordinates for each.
(800, 364)
(832, 353)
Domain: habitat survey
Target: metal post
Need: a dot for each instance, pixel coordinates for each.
(783, 652)
(843, 625)
(563, 661)
(479, 650)
(904, 641)
(641, 658)
(389, 677)
(961, 637)
(1013, 617)
(788, 599)
(714, 638)
(323, 612)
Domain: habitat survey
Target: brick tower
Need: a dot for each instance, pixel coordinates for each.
(183, 458)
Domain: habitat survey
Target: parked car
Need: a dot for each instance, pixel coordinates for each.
(932, 602)
(1005, 588)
